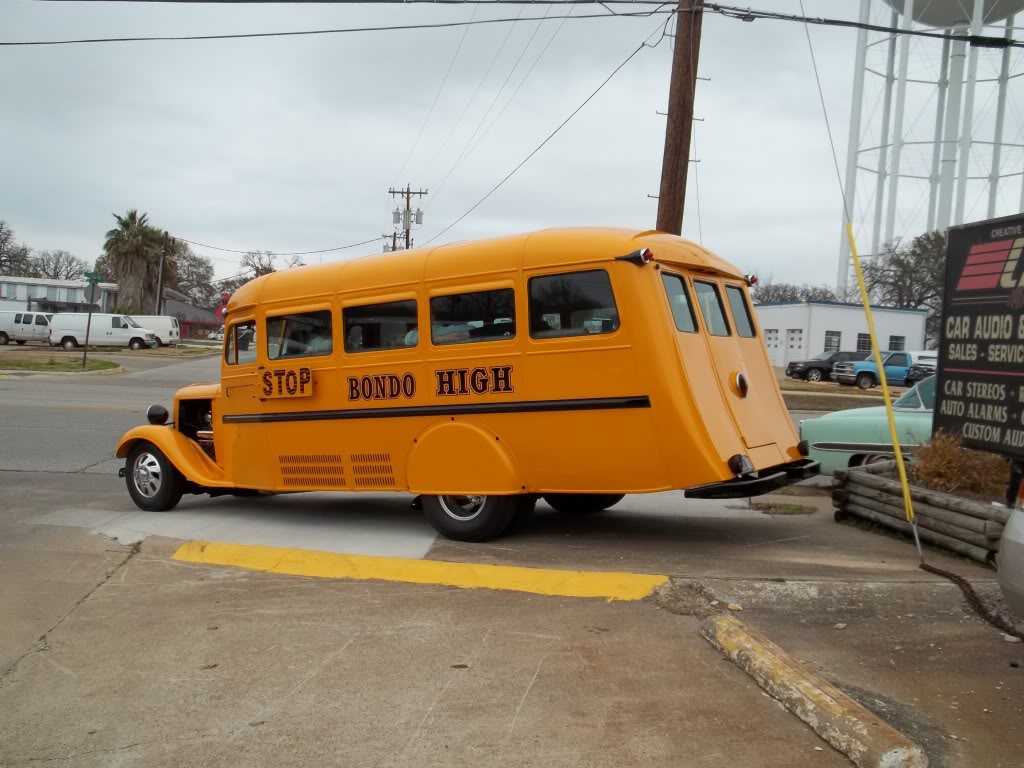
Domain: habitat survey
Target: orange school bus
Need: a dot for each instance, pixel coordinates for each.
(577, 365)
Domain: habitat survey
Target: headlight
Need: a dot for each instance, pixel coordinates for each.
(150, 335)
(798, 365)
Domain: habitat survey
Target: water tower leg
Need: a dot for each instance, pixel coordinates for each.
(997, 141)
(853, 148)
(883, 151)
(897, 132)
(940, 113)
(951, 132)
(965, 134)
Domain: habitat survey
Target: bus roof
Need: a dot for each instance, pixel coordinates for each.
(399, 271)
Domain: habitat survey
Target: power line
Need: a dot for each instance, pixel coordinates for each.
(561, 125)
(277, 253)
(336, 31)
(444, 81)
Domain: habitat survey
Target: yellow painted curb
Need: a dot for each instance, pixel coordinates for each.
(852, 729)
(329, 565)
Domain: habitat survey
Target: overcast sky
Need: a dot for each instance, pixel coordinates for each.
(291, 144)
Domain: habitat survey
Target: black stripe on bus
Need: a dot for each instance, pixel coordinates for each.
(520, 406)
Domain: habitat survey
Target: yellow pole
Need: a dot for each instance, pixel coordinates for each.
(901, 467)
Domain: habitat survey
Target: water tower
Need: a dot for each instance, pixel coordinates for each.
(927, 138)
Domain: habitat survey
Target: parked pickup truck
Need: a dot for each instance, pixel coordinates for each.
(897, 365)
(820, 368)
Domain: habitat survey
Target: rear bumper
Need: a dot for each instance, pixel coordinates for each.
(768, 480)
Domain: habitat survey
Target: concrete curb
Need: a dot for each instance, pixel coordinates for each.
(17, 372)
(858, 733)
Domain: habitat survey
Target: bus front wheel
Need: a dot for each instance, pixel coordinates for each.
(153, 482)
(582, 503)
(470, 518)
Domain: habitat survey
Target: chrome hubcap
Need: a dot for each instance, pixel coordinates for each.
(463, 508)
(147, 475)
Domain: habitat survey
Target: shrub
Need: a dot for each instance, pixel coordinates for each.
(943, 464)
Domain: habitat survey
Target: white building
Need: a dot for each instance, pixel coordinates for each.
(45, 295)
(800, 330)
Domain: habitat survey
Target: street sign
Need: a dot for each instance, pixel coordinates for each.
(93, 277)
(981, 353)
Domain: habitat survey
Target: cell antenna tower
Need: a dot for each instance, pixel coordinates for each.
(937, 147)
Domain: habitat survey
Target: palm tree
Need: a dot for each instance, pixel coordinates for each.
(133, 248)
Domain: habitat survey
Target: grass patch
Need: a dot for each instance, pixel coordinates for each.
(53, 365)
(806, 491)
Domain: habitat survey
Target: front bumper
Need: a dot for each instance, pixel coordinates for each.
(795, 373)
(844, 378)
(768, 480)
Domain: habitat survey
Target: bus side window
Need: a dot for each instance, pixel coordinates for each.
(380, 326)
(679, 301)
(477, 316)
(740, 311)
(239, 344)
(300, 335)
(572, 304)
(710, 302)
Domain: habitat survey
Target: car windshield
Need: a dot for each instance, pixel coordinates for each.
(921, 396)
(131, 322)
(824, 356)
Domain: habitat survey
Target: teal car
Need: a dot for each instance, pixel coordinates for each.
(861, 435)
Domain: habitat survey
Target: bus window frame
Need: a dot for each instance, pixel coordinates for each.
(366, 299)
(280, 311)
(691, 301)
(554, 270)
(717, 285)
(746, 304)
(454, 289)
(229, 326)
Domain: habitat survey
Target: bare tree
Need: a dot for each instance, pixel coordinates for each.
(59, 265)
(195, 276)
(260, 262)
(769, 292)
(911, 276)
(14, 257)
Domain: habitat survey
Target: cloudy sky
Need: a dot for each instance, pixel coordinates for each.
(290, 144)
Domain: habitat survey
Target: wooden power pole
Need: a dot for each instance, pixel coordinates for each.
(679, 126)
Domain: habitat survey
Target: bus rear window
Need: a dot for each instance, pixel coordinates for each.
(477, 316)
(711, 307)
(572, 304)
(380, 326)
(740, 311)
(679, 301)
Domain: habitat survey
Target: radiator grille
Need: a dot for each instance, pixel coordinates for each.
(372, 470)
(312, 470)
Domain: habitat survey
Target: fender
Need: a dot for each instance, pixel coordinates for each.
(186, 456)
(462, 457)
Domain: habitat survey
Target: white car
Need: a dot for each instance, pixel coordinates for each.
(68, 330)
(217, 335)
(166, 328)
(20, 327)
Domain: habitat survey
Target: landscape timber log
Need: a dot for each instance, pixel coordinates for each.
(955, 545)
(944, 500)
(987, 528)
(896, 512)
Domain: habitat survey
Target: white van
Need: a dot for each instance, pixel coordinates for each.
(68, 330)
(166, 328)
(20, 327)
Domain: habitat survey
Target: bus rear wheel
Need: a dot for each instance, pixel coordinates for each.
(153, 482)
(470, 518)
(582, 503)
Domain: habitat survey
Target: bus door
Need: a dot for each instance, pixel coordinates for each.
(743, 375)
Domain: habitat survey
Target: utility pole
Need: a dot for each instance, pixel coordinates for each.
(164, 252)
(682, 88)
(406, 217)
(394, 242)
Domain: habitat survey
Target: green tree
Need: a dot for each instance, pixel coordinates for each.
(15, 257)
(134, 247)
(911, 276)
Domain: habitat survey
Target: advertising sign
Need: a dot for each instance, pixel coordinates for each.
(981, 353)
